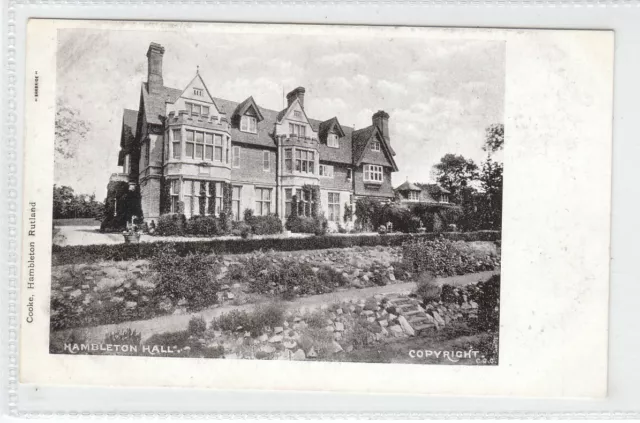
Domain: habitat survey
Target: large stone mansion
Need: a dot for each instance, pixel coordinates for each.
(190, 152)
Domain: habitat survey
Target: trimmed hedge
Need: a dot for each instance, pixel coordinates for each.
(74, 254)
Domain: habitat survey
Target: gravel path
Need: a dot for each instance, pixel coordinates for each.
(174, 323)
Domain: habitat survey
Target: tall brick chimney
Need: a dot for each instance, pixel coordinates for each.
(154, 68)
(296, 93)
(381, 120)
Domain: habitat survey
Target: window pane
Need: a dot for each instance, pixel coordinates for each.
(189, 135)
(208, 138)
(209, 152)
(196, 109)
(199, 149)
(176, 150)
(189, 107)
(176, 135)
(189, 150)
(253, 124)
(218, 157)
(218, 139)
(243, 123)
(205, 110)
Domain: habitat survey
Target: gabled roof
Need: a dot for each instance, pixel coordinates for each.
(328, 125)
(360, 139)
(155, 104)
(408, 186)
(245, 105)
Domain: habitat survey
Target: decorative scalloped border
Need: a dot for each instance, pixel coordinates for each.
(12, 198)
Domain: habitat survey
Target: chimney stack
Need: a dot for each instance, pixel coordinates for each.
(381, 120)
(296, 93)
(154, 68)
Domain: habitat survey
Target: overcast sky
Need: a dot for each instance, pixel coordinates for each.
(440, 94)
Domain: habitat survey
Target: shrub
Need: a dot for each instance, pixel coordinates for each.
(401, 270)
(232, 321)
(321, 225)
(264, 316)
(192, 278)
(428, 290)
(171, 224)
(123, 337)
(443, 258)
(331, 277)
(288, 280)
(302, 224)
(225, 223)
(203, 225)
(265, 225)
(317, 319)
(247, 214)
(267, 315)
(75, 254)
(197, 326)
(488, 299)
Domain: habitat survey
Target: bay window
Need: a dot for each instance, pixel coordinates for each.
(218, 148)
(190, 146)
(188, 198)
(200, 145)
(373, 173)
(177, 146)
(288, 160)
(288, 197)
(305, 160)
(174, 193)
(208, 152)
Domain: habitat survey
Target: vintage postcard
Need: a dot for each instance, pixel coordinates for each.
(296, 207)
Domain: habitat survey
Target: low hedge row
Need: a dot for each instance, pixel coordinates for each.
(75, 254)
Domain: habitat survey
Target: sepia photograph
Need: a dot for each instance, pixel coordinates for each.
(272, 196)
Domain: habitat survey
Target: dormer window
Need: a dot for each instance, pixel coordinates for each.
(197, 91)
(413, 195)
(248, 124)
(332, 140)
(375, 146)
(297, 113)
(444, 198)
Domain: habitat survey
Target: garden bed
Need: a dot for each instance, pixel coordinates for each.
(75, 254)
(111, 292)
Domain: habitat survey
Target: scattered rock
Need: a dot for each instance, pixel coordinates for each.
(263, 337)
(299, 355)
(312, 353)
(275, 339)
(278, 329)
(336, 347)
(396, 330)
(130, 304)
(75, 294)
(406, 327)
(268, 349)
(339, 327)
(290, 344)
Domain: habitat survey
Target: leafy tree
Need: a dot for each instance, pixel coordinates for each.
(67, 204)
(454, 172)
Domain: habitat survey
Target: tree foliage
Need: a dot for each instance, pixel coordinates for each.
(454, 172)
(477, 190)
(67, 204)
